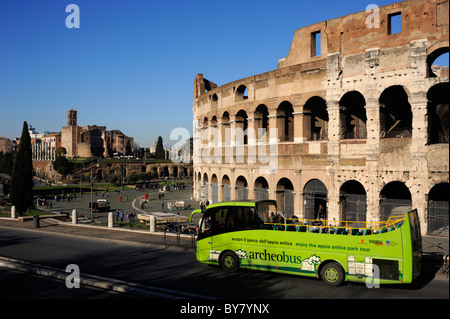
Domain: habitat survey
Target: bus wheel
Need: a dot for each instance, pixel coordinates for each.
(332, 274)
(229, 261)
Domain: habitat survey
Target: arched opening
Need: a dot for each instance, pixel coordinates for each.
(241, 128)
(285, 196)
(261, 189)
(315, 196)
(225, 129)
(437, 61)
(213, 134)
(262, 123)
(315, 119)
(395, 199)
(205, 131)
(165, 172)
(206, 183)
(214, 190)
(199, 186)
(214, 100)
(241, 93)
(437, 111)
(438, 210)
(352, 201)
(395, 113)
(353, 116)
(97, 148)
(226, 188)
(175, 172)
(285, 122)
(241, 188)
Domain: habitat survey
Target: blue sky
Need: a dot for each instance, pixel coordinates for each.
(131, 64)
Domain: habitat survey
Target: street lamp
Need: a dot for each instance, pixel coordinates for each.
(92, 201)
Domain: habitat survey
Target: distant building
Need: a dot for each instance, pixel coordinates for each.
(86, 141)
(5, 145)
(92, 140)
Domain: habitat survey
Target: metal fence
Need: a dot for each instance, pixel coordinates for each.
(438, 218)
(226, 192)
(241, 193)
(261, 193)
(390, 207)
(354, 207)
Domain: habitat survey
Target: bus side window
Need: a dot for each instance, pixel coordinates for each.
(221, 217)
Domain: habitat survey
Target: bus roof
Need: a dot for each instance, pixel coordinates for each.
(243, 202)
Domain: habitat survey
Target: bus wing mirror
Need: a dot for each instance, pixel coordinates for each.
(195, 211)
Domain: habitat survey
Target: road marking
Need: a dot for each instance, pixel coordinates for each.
(104, 283)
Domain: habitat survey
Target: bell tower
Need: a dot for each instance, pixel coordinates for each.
(72, 118)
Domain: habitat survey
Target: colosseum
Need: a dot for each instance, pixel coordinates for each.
(352, 125)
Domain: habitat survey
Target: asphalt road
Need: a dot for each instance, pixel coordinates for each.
(172, 269)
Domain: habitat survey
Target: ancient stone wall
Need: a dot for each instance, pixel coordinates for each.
(358, 127)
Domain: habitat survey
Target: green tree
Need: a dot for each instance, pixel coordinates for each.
(114, 179)
(6, 162)
(22, 174)
(60, 151)
(159, 149)
(62, 165)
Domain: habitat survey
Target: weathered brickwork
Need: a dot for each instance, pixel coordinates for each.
(361, 127)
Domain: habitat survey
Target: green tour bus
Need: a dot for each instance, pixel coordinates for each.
(256, 235)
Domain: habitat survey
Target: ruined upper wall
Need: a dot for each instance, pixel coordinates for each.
(354, 34)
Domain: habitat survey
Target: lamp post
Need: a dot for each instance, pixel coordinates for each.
(92, 184)
(92, 202)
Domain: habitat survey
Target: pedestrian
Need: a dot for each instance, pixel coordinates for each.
(121, 216)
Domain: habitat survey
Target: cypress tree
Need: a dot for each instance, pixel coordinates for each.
(22, 174)
(159, 152)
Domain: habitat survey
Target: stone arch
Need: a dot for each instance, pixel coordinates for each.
(261, 119)
(241, 93)
(353, 116)
(395, 112)
(97, 148)
(241, 127)
(438, 209)
(395, 198)
(285, 121)
(436, 52)
(353, 201)
(315, 119)
(241, 188)
(261, 188)
(214, 198)
(226, 188)
(315, 196)
(285, 196)
(437, 113)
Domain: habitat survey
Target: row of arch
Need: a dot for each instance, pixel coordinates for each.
(393, 197)
(395, 116)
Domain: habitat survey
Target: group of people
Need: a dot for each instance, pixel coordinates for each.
(130, 216)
